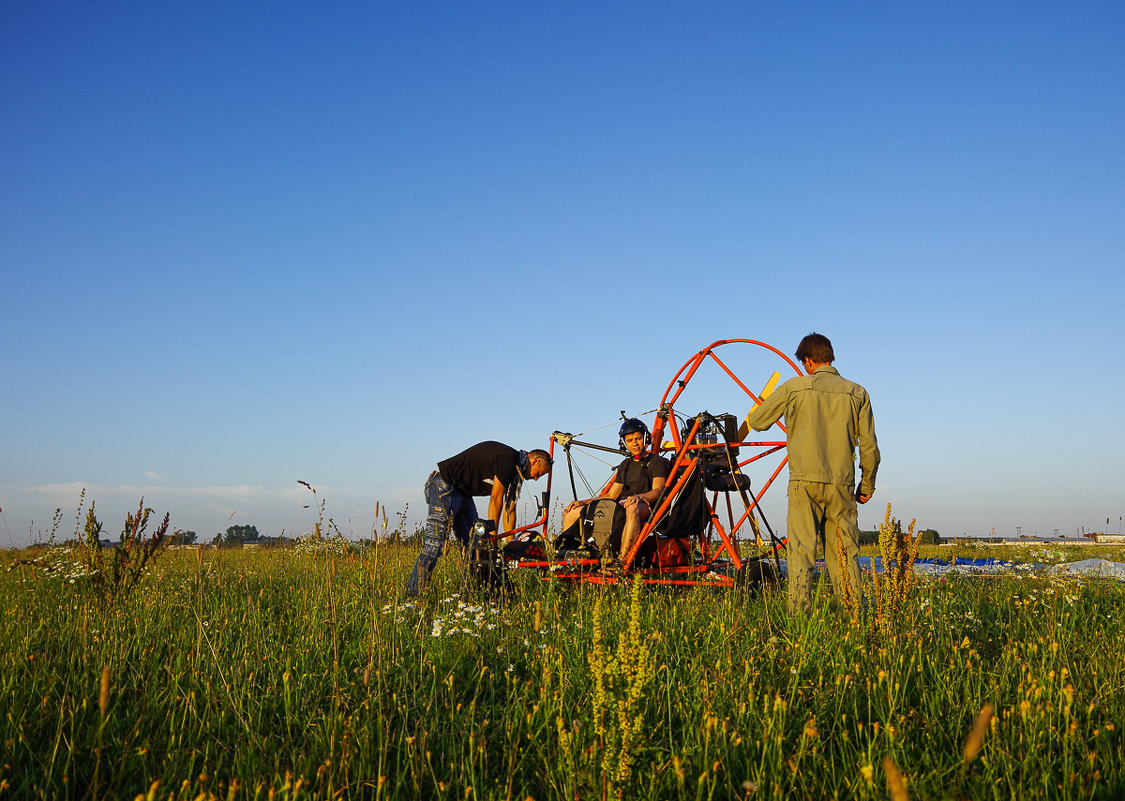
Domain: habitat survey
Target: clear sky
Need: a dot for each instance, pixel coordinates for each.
(246, 244)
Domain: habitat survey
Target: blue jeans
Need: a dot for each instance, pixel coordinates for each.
(449, 510)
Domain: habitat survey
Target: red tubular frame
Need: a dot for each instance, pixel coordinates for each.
(684, 464)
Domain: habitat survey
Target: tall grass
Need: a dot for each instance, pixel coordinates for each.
(281, 674)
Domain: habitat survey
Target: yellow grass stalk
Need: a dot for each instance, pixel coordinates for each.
(894, 780)
(103, 692)
(976, 736)
(850, 594)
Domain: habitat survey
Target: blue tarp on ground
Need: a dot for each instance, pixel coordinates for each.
(957, 565)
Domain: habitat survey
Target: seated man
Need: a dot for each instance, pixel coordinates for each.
(636, 485)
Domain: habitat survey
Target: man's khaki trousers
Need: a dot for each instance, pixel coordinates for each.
(820, 511)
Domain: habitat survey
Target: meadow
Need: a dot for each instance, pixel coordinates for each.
(302, 674)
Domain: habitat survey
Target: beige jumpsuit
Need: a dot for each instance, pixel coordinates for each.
(826, 418)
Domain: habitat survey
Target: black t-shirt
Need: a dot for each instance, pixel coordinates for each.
(472, 470)
(638, 474)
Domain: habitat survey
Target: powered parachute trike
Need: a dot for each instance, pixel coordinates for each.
(709, 525)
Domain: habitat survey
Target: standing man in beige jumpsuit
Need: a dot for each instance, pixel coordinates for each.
(826, 418)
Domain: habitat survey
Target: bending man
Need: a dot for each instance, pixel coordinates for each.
(490, 469)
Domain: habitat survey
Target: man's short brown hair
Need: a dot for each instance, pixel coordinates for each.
(542, 454)
(817, 348)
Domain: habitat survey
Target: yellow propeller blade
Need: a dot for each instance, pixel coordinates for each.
(771, 385)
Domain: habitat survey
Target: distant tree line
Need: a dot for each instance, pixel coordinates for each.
(237, 536)
(929, 537)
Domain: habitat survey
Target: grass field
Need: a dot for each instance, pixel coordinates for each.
(284, 674)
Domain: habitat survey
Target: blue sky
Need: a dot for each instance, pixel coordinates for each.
(246, 244)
